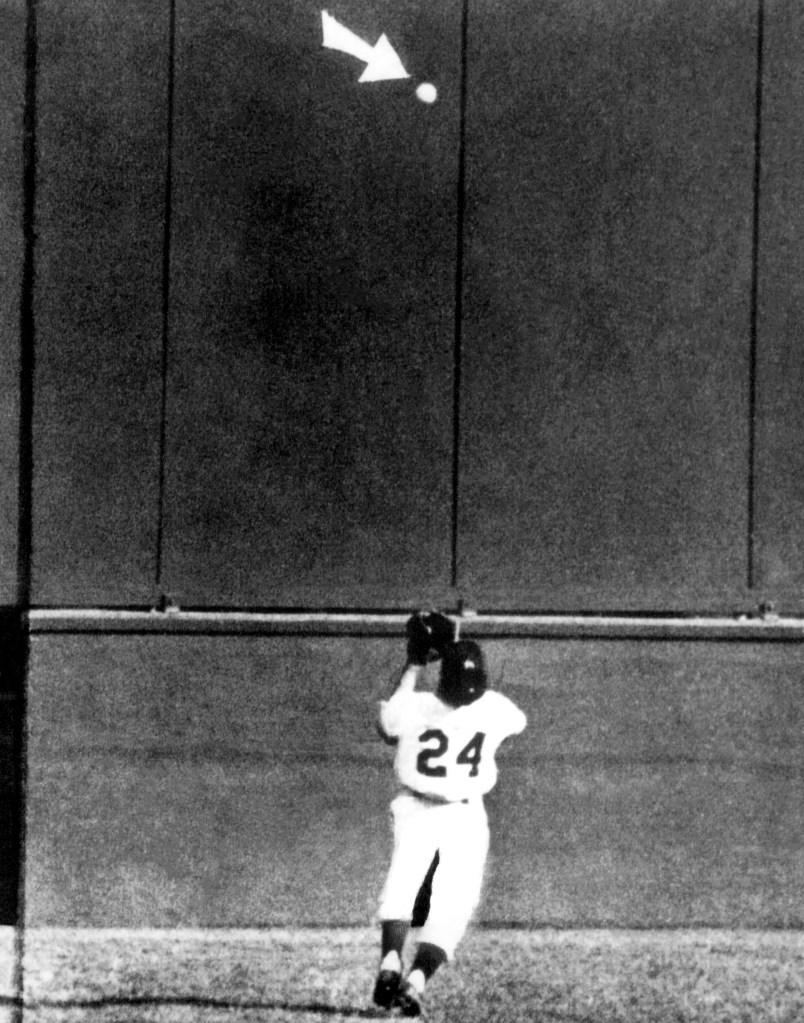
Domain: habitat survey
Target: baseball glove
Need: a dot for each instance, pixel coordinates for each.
(429, 633)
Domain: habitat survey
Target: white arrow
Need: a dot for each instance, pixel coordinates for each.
(381, 60)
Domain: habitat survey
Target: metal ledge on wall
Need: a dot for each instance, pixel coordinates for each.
(489, 626)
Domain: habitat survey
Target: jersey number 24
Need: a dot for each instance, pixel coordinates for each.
(469, 755)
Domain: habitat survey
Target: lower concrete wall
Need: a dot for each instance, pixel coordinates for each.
(223, 780)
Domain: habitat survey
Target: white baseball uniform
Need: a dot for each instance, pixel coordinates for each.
(445, 762)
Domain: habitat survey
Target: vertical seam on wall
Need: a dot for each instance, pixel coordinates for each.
(458, 331)
(752, 368)
(166, 269)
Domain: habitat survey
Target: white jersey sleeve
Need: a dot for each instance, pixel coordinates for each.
(449, 752)
(399, 711)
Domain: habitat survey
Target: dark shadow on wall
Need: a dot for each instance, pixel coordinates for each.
(13, 645)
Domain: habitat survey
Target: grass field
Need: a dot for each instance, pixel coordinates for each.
(500, 976)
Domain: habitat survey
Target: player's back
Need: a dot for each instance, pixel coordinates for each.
(449, 752)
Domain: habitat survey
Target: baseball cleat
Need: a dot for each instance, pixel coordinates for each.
(408, 1000)
(386, 988)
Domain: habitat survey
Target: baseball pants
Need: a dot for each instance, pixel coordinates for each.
(460, 834)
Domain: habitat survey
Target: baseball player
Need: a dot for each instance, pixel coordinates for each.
(445, 747)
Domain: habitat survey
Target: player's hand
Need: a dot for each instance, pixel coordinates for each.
(429, 633)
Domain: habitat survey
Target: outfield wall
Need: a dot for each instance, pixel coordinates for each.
(272, 338)
(238, 780)
(294, 341)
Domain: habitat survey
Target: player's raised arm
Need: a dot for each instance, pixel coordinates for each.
(409, 677)
(427, 634)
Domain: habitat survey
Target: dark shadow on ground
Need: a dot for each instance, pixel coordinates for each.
(124, 1002)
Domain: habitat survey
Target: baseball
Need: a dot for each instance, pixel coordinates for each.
(427, 92)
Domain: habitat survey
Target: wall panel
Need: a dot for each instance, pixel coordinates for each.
(102, 114)
(605, 418)
(780, 357)
(12, 94)
(191, 780)
(310, 387)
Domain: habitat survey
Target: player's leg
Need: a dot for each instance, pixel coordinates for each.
(415, 845)
(389, 976)
(427, 960)
(457, 884)
(413, 851)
